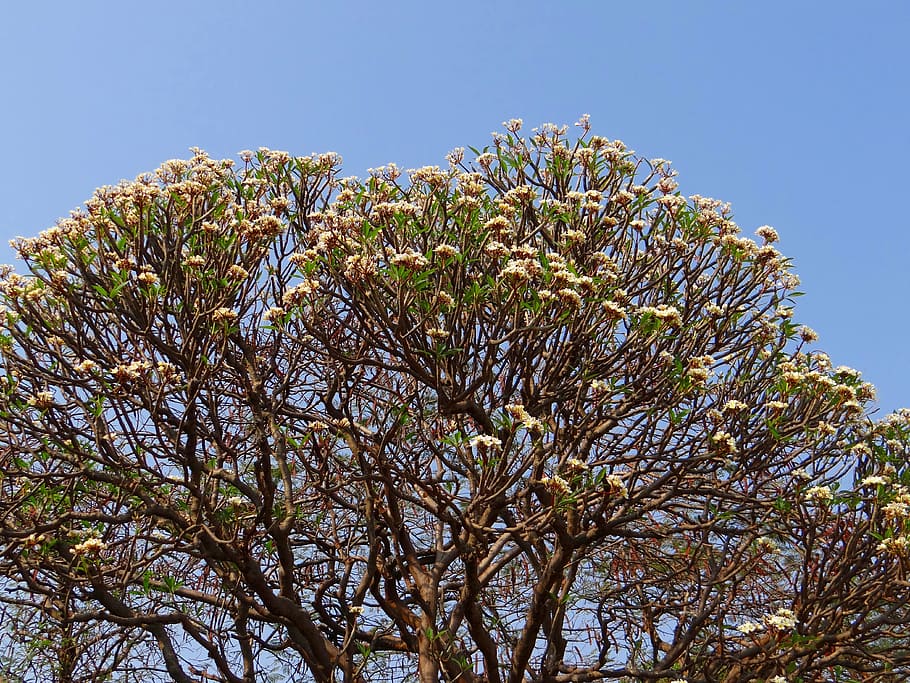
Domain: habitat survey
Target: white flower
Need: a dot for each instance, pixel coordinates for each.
(485, 442)
(768, 234)
(445, 250)
(299, 293)
(822, 494)
(664, 313)
(576, 465)
(724, 443)
(224, 315)
(734, 406)
(896, 545)
(41, 400)
(614, 484)
(782, 620)
(410, 260)
(556, 484)
(90, 546)
(274, 313)
(750, 627)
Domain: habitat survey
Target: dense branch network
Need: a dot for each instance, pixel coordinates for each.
(532, 417)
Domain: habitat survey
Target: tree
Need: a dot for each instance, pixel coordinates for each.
(533, 417)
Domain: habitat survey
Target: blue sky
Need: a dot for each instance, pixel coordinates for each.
(796, 112)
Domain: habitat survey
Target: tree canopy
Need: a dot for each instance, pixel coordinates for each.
(531, 416)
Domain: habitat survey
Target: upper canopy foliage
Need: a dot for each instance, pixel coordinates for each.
(532, 417)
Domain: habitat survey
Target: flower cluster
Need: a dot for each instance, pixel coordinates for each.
(821, 494)
(300, 293)
(556, 485)
(90, 546)
(518, 413)
(614, 485)
(664, 313)
(723, 443)
(484, 442)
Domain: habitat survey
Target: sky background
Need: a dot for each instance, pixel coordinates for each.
(795, 112)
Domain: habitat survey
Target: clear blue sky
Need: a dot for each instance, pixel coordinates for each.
(796, 112)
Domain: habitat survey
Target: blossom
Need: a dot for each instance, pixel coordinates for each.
(41, 400)
(300, 259)
(194, 261)
(265, 226)
(847, 371)
(274, 313)
(520, 270)
(782, 620)
(874, 480)
(614, 311)
(734, 406)
(723, 442)
(896, 545)
(126, 372)
(513, 125)
(664, 313)
(569, 297)
(445, 250)
(852, 407)
(576, 465)
(90, 546)
(750, 627)
(444, 299)
(224, 315)
(615, 485)
(826, 428)
(485, 442)
(861, 449)
(299, 293)
(520, 415)
(822, 494)
(498, 225)
(807, 334)
(622, 197)
(768, 234)
(496, 250)
(358, 267)
(34, 539)
(897, 509)
(85, 366)
(236, 272)
(556, 485)
(409, 260)
(698, 375)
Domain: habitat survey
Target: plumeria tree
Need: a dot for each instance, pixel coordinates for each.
(533, 416)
